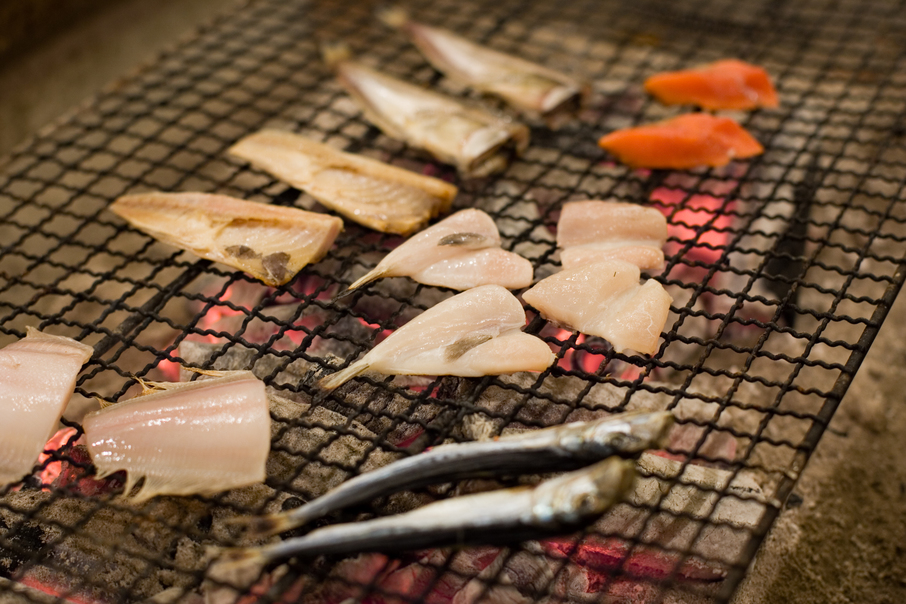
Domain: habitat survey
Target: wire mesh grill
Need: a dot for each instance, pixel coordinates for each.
(782, 270)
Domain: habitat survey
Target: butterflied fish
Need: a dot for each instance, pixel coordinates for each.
(605, 299)
(475, 141)
(726, 84)
(475, 333)
(37, 378)
(184, 438)
(364, 190)
(559, 448)
(461, 251)
(533, 89)
(271, 243)
(593, 231)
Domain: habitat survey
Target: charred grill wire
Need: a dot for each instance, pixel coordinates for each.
(781, 269)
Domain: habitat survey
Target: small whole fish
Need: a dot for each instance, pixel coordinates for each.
(593, 231)
(556, 506)
(271, 243)
(727, 84)
(475, 141)
(369, 192)
(564, 447)
(686, 141)
(532, 89)
(461, 251)
(37, 379)
(605, 299)
(185, 438)
(475, 333)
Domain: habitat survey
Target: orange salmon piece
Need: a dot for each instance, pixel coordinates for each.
(686, 141)
(727, 84)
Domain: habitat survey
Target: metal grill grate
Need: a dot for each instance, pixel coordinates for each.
(782, 269)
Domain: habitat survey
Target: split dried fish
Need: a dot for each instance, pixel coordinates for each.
(37, 378)
(372, 193)
(184, 438)
(475, 333)
(475, 141)
(559, 448)
(605, 299)
(533, 89)
(461, 251)
(271, 243)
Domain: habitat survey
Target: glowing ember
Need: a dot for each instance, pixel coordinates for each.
(703, 220)
(52, 470)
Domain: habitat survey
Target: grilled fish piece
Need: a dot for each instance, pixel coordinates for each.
(726, 84)
(475, 141)
(475, 333)
(532, 89)
(559, 448)
(181, 437)
(270, 243)
(37, 378)
(605, 299)
(461, 251)
(372, 193)
(593, 231)
(555, 506)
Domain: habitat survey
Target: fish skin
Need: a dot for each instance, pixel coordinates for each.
(271, 243)
(725, 84)
(377, 195)
(683, 142)
(605, 299)
(37, 378)
(559, 448)
(420, 346)
(534, 90)
(478, 143)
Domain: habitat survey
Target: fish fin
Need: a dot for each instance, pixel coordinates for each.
(392, 16)
(470, 240)
(208, 372)
(463, 345)
(335, 51)
(368, 277)
(265, 526)
(104, 404)
(335, 380)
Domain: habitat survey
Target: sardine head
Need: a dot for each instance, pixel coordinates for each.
(581, 496)
(625, 434)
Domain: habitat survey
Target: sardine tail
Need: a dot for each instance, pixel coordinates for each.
(335, 51)
(392, 16)
(335, 380)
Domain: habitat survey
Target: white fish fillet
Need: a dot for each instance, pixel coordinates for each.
(461, 251)
(605, 299)
(475, 333)
(271, 243)
(533, 89)
(475, 141)
(594, 231)
(37, 378)
(372, 193)
(199, 437)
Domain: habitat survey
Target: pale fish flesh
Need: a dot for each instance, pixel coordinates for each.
(605, 299)
(37, 378)
(185, 438)
(475, 333)
(478, 143)
(372, 193)
(271, 243)
(593, 231)
(461, 251)
(532, 89)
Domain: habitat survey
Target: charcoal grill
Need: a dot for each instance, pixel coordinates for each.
(783, 269)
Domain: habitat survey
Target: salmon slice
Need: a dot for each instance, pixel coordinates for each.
(727, 84)
(686, 141)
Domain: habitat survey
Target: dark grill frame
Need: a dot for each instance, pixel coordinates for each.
(826, 199)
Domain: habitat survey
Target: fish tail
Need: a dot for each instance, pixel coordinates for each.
(393, 16)
(335, 380)
(335, 51)
(272, 524)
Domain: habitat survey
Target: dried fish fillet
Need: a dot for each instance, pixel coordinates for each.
(184, 438)
(372, 193)
(37, 379)
(271, 243)
(593, 231)
(475, 141)
(533, 89)
(461, 251)
(475, 333)
(605, 299)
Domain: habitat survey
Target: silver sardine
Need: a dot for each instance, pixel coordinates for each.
(559, 448)
(475, 141)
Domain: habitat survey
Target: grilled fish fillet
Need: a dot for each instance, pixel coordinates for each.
(726, 84)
